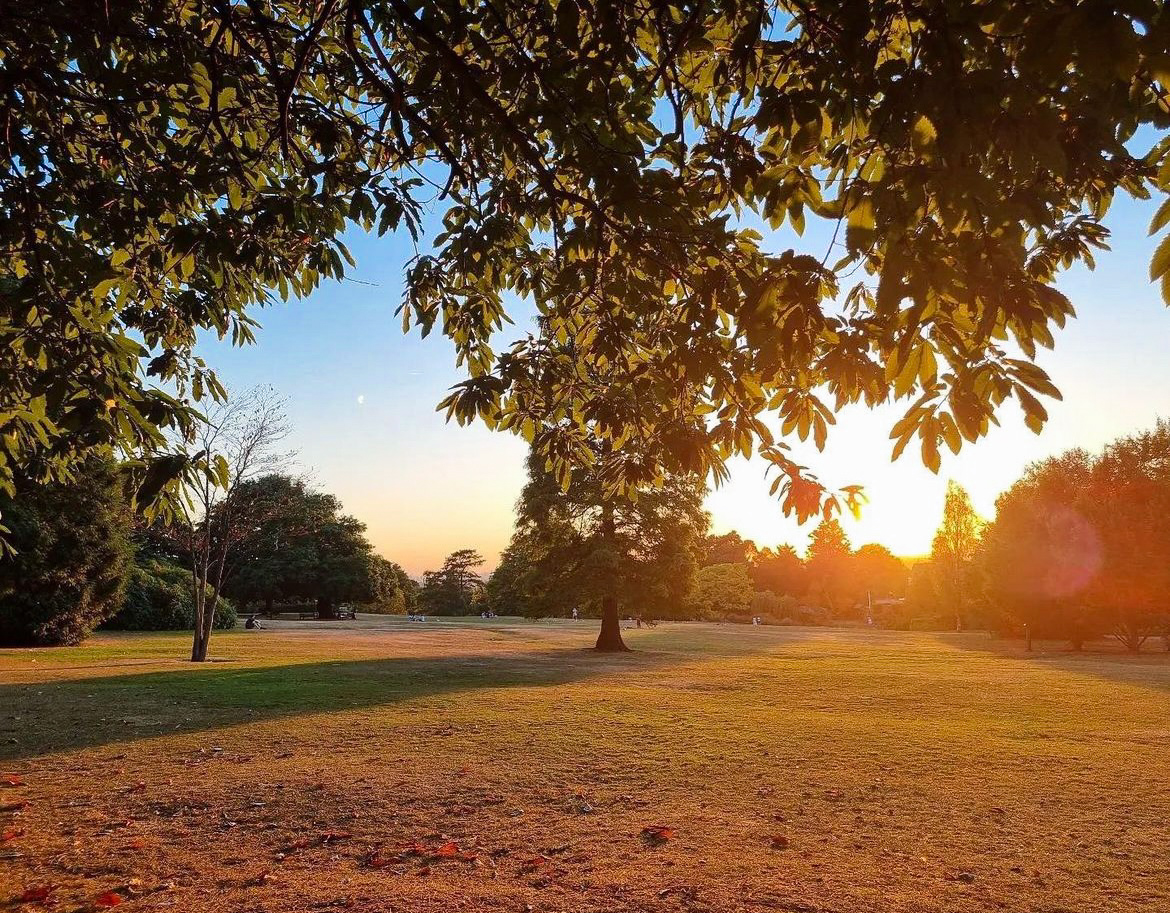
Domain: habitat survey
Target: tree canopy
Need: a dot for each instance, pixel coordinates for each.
(169, 168)
(580, 547)
(453, 588)
(1080, 546)
(67, 572)
(299, 546)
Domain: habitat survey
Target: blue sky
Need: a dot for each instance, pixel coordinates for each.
(362, 397)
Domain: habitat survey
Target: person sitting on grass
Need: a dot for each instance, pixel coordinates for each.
(252, 623)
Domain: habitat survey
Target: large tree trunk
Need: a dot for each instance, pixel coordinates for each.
(325, 608)
(610, 638)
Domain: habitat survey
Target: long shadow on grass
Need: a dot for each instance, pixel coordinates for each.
(1100, 659)
(45, 717)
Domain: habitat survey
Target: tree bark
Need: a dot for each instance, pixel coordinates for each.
(610, 638)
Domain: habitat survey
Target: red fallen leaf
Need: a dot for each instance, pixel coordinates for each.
(38, 894)
(299, 844)
(11, 834)
(779, 842)
(265, 877)
(136, 844)
(658, 833)
(414, 848)
(330, 836)
(377, 861)
(533, 864)
(13, 780)
(468, 856)
(109, 899)
(447, 850)
(425, 870)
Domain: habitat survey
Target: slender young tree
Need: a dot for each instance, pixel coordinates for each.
(243, 436)
(954, 548)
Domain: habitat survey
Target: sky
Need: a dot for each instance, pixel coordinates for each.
(362, 395)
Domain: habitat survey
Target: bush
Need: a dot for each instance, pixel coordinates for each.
(785, 609)
(722, 592)
(72, 549)
(793, 612)
(159, 597)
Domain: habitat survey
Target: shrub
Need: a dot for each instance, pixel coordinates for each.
(72, 549)
(722, 592)
(159, 597)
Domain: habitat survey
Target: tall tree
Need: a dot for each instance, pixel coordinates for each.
(829, 565)
(392, 588)
(728, 548)
(67, 571)
(452, 589)
(593, 548)
(879, 571)
(953, 549)
(169, 168)
(779, 570)
(1080, 545)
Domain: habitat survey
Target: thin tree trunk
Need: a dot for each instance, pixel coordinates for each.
(198, 585)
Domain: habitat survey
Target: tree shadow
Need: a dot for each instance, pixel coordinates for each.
(1104, 659)
(49, 716)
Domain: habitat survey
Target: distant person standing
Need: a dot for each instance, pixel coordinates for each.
(576, 614)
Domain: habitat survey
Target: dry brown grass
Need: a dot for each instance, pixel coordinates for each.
(904, 772)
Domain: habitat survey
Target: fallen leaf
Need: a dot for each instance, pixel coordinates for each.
(109, 899)
(39, 894)
(377, 861)
(139, 787)
(658, 833)
(11, 834)
(136, 844)
(13, 780)
(447, 850)
(779, 842)
(15, 806)
(330, 836)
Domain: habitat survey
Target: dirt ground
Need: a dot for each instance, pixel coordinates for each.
(498, 765)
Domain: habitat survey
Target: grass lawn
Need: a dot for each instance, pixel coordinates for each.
(321, 767)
